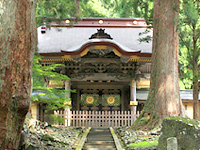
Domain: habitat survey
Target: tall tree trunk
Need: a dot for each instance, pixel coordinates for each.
(18, 41)
(195, 77)
(195, 92)
(164, 97)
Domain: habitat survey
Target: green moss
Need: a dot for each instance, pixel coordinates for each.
(185, 120)
(143, 144)
(47, 137)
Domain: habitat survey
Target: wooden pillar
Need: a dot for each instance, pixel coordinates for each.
(78, 99)
(133, 95)
(122, 98)
(67, 88)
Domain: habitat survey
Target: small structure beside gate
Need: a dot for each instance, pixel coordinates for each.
(97, 118)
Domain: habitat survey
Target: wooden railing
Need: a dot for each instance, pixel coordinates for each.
(98, 118)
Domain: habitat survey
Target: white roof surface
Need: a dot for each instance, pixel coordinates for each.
(184, 94)
(71, 38)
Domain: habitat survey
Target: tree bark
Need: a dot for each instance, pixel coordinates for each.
(195, 77)
(164, 97)
(18, 41)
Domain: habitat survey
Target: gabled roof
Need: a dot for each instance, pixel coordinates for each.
(70, 39)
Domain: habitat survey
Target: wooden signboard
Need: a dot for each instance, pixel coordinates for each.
(133, 103)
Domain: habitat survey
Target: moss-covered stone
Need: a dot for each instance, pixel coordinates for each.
(47, 137)
(137, 140)
(37, 135)
(187, 132)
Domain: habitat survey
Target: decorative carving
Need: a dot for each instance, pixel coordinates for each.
(94, 108)
(94, 54)
(90, 100)
(82, 76)
(100, 35)
(77, 60)
(118, 75)
(106, 108)
(100, 52)
(100, 62)
(124, 59)
(100, 67)
(84, 108)
(110, 100)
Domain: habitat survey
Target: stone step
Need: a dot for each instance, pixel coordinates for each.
(106, 144)
(98, 146)
(100, 136)
(100, 130)
(99, 149)
(101, 142)
(97, 134)
(100, 139)
(97, 131)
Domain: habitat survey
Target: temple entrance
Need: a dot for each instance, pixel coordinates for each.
(101, 100)
(103, 68)
(100, 96)
(100, 104)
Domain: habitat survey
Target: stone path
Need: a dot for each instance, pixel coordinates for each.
(99, 139)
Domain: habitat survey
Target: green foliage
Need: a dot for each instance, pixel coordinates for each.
(54, 98)
(43, 74)
(190, 11)
(55, 119)
(104, 8)
(143, 144)
(144, 9)
(189, 33)
(48, 9)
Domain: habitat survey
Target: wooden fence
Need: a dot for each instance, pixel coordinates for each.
(97, 118)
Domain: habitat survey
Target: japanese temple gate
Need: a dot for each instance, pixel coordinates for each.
(104, 72)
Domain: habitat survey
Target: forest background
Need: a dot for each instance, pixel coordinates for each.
(189, 24)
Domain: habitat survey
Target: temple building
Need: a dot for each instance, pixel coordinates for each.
(108, 65)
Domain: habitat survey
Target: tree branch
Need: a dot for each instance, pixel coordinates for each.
(187, 46)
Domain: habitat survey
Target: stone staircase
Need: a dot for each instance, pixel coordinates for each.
(99, 139)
